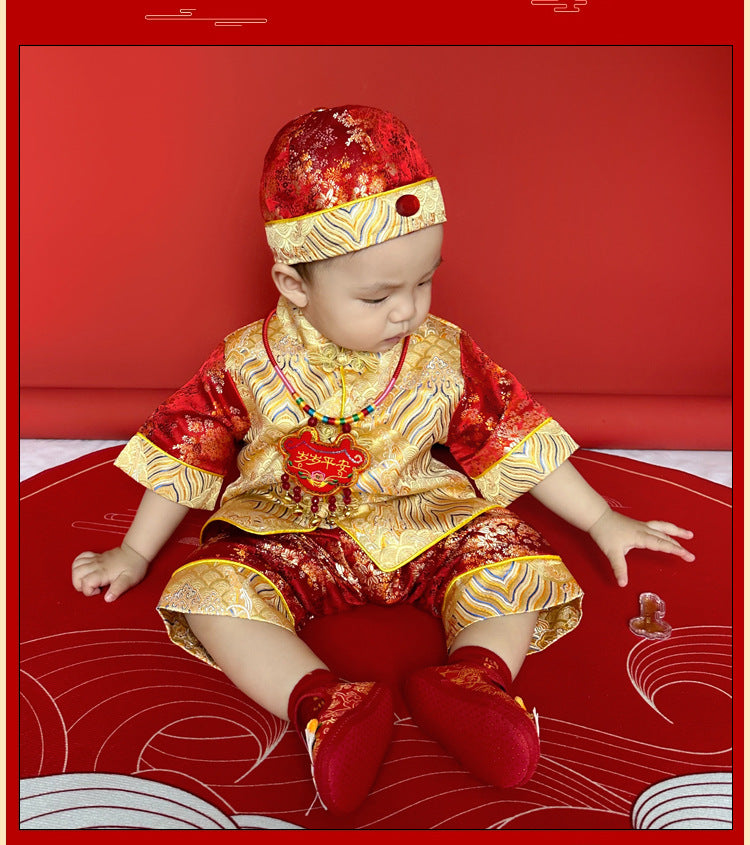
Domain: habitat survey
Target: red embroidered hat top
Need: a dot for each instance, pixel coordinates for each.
(342, 156)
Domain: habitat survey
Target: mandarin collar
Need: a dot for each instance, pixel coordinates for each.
(320, 351)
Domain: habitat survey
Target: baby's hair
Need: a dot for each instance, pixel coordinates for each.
(306, 269)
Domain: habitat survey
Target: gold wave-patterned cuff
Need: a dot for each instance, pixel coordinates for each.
(543, 450)
(526, 584)
(354, 225)
(174, 480)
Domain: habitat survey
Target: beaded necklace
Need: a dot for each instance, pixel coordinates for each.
(319, 468)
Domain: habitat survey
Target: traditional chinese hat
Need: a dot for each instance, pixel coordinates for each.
(340, 179)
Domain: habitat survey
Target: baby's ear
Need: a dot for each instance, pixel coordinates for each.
(290, 284)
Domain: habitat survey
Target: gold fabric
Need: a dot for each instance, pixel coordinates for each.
(540, 583)
(532, 584)
(535, 456)
(354, 225)
(406, 500)
(218, 588)
(168, 476)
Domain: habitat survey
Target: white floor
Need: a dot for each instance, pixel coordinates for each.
(38, 455)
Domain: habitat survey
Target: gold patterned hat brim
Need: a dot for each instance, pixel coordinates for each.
(356, 225)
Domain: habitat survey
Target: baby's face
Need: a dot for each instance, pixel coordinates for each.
(370, 299)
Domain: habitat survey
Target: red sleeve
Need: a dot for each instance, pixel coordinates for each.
(203, 423)
(494, 414)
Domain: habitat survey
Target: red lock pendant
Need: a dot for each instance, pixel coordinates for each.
(323, 468)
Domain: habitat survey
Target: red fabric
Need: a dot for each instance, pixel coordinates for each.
(202, 423)
(351, 737)
(494, 414)
(485, 659)
(349, 727)
(307, 457)
(308, 697)
(331, 156)
(103, 691)
(186, 260)
(465, 708)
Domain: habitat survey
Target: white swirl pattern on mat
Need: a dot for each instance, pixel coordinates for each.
(96, 801)
(594, 772)
(695, 655)
(129, 695)
(691, 802)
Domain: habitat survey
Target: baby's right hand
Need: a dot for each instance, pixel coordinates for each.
(119, 569)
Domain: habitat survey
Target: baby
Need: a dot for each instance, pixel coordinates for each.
(327, 411)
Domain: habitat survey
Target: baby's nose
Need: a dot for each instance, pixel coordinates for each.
(404, 308)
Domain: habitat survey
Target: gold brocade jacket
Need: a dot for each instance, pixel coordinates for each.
(231, 417)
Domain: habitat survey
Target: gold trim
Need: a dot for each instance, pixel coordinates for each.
(517, 446)
(354, 225)
(176, 459)
(491, 565)
(294, 530)
(223, 562)
(533, 458)
(167, 476)
(371, 197)
(432, 542)
(291, 530)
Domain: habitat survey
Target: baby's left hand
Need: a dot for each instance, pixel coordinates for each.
(616, 535)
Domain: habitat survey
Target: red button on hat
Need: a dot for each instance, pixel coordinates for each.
(407, 205)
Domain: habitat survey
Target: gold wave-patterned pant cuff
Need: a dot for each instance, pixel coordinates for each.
(218, 588)
(535, 584)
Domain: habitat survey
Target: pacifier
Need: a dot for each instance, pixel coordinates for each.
(650, 624)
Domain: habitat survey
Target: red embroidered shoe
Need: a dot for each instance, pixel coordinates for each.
(465, 708)
(347, 742)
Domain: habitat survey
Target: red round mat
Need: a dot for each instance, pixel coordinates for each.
(121, 729)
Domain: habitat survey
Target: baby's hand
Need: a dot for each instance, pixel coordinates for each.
(119, 569)
(616, 535)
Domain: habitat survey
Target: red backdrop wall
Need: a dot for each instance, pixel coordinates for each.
(588, 246)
